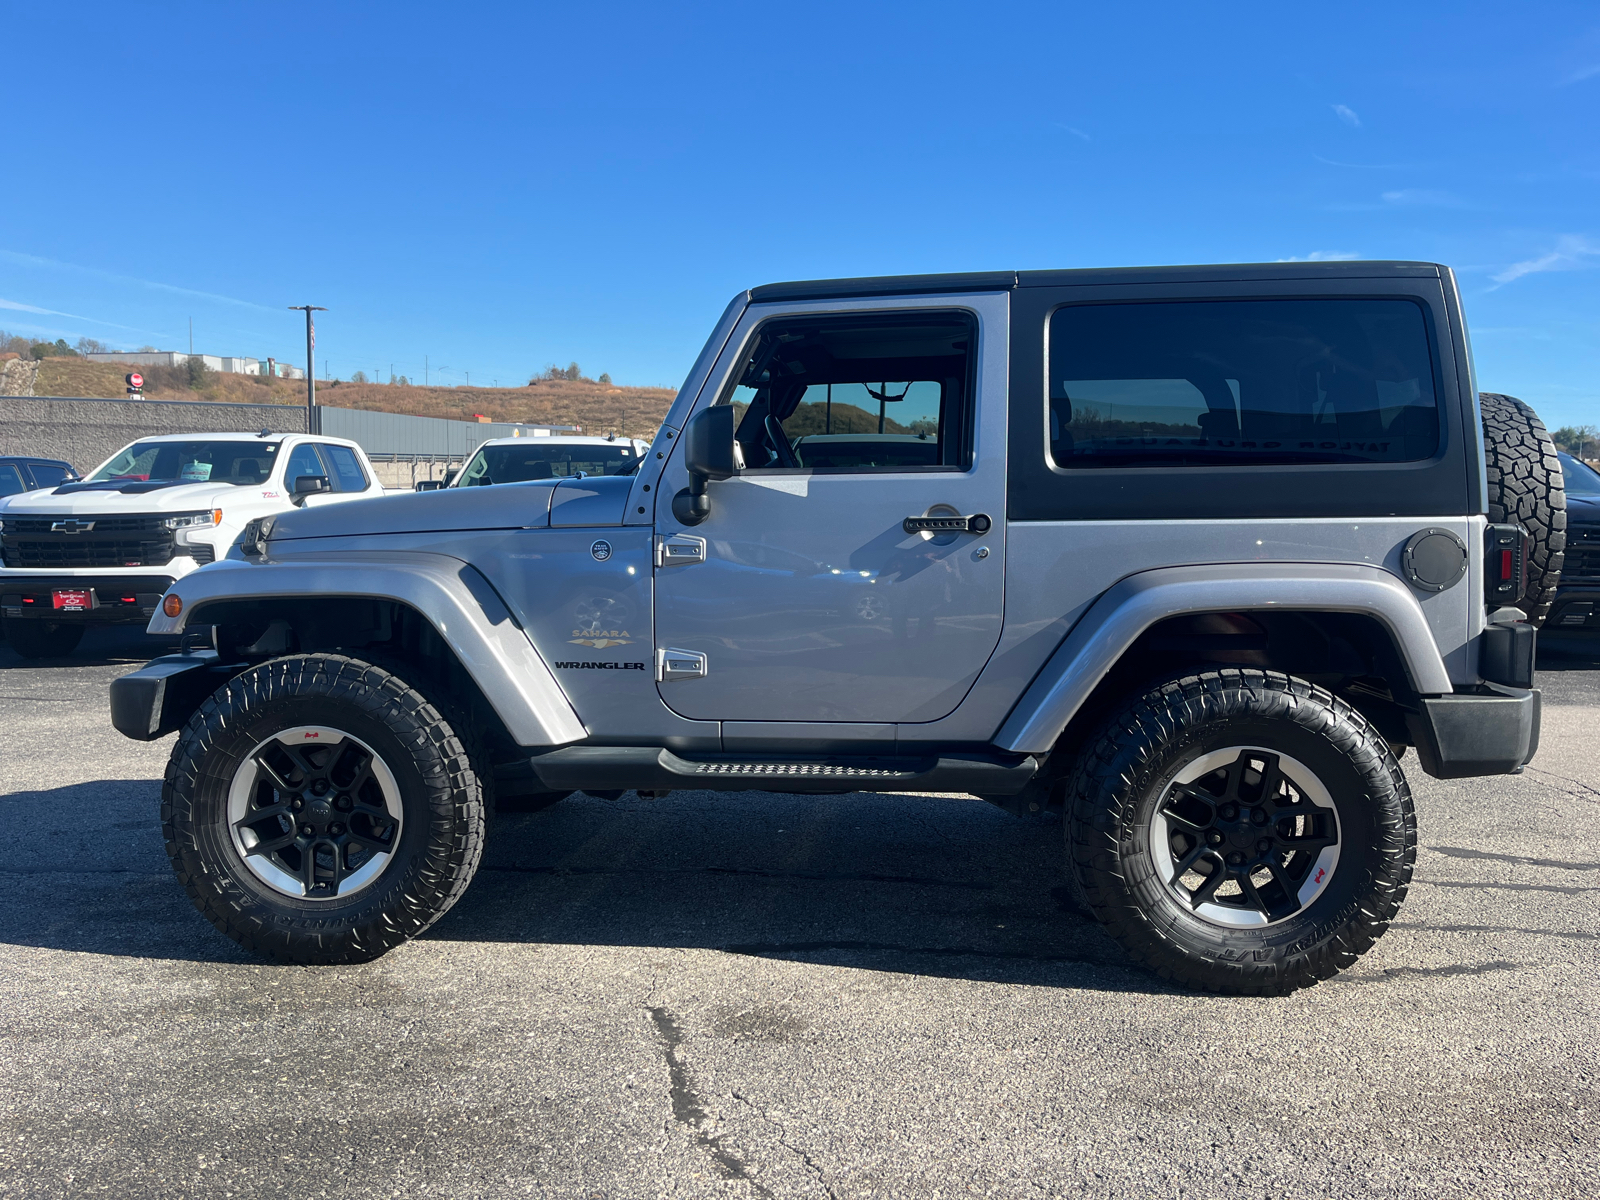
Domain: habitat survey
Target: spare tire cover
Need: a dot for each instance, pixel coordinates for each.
(1526, 488)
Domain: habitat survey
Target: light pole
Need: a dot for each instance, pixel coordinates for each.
(312, 424)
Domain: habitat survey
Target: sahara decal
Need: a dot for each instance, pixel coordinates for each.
(601, 639)
(599, 666)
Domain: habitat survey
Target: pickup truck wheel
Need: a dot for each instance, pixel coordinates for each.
(318, 809)
(1241, 831)
(1526, 488)
(44, 639)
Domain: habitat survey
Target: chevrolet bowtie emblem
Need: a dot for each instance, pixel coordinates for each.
(73, 526)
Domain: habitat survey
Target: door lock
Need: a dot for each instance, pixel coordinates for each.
(976, 523)
(672, 665)
(679, 550)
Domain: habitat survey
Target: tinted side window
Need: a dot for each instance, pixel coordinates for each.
(345, 469)
(10, 480)
(855, 392)
(47, 475)
(303, 460)
(1241, 382)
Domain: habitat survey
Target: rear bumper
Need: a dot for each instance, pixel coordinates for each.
(1465, 735)
(113, 600)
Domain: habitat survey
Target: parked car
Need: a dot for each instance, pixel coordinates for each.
(1189, 556)
(102, 550)
(19, 473)
(521, 460)
(1577, 599)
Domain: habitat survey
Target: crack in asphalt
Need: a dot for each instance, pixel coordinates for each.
(1558, 864)
(687, 1108)
(1574, 934)
(808, 876)
(1509, 887)
(1389, 973)
(783, 1140)
(1583, 788)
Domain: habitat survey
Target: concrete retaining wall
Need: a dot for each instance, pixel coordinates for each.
(87, 432)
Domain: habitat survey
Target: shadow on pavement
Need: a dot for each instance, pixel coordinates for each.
(923, 885)
(108, 645)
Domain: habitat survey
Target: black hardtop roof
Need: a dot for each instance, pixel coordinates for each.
(991, 281)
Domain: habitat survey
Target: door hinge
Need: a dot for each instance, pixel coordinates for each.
(679, 664)
(680, 550)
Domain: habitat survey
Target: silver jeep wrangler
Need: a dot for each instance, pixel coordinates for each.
(1188, 555)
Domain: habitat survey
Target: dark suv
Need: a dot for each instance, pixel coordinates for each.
(1578, 597)
(20, 474)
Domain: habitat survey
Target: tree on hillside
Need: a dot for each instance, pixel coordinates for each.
(89, 345)
(11, 344)
(199, 375)
(552, 372)
(1578, 440)
(55, 349)
(604, 378)
(359, 377)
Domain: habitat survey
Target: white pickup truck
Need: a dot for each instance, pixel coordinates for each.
(104, 549)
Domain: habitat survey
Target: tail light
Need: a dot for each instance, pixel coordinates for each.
(1505, 564)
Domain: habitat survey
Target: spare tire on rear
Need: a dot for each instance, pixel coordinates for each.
(1526, 488)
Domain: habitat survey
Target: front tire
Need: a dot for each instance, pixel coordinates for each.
(44, 639)
(1241, 831)
(319, 810)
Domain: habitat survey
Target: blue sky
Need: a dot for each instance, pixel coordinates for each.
(501, 187)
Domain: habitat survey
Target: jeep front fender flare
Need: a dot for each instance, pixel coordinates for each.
(1125, 610)
(465, 611)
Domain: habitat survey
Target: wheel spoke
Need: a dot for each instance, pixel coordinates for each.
(1271, 779)
(1251, 895)
(1213, 881)
(1187, 862)
(372, 844)
(1290, 892)
(1175, 817)
(278, 780)
(273, 845)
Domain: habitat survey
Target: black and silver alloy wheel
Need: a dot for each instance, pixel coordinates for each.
(315, 813)
(320, 809)
(1245, 836)
(1241, 831)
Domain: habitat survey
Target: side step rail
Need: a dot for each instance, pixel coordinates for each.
(653, 768)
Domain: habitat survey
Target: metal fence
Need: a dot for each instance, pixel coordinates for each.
(381, 433)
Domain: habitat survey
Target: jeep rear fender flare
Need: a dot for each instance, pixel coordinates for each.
(1128, 608)
(460, 604)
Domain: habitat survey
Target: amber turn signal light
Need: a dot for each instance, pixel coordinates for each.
(172, 605)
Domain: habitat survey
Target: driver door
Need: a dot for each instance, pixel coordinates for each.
(803, 596)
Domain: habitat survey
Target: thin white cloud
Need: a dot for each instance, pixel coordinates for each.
(1347, 115)
(1077, 133)
(1571, 253)
(1579, 76)
(18, 306)
(1423, 198)
(1370, 166)
(33, 260)
(1323, 256)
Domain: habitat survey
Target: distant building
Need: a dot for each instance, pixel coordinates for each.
(174, 358)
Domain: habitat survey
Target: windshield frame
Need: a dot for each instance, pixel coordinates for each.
(465, 477)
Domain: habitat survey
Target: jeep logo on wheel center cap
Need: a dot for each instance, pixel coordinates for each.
(601, 550)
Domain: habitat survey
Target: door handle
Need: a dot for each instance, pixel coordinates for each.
(680, 550)
(673, 665)
(976, 523)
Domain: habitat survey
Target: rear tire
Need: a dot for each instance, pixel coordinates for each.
(44, 639)
(1241, 831)
(318, 809)
(1526, 488)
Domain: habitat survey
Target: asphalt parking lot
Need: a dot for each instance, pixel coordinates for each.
(767, 995)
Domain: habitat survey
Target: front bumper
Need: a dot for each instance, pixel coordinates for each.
(113, 600)
(1476, 734)
(1576, 609)
(161, 696)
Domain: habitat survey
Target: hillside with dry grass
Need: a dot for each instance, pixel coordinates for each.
(596, 407)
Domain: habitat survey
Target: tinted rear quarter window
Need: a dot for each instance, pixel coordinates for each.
(347, 473)
(47, 474)
(10, 480)
(1241, 382)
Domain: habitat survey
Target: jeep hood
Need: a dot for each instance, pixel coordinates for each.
(503, 506)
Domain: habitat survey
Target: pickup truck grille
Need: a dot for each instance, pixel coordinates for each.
(132, 541)
(1583, 554)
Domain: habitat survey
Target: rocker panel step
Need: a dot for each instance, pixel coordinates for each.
(609, 768)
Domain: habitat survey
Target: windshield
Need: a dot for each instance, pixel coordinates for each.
(518, 464)
(193, 462)
(1581, 479)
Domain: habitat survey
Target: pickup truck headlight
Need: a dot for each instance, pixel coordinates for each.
(191, 520)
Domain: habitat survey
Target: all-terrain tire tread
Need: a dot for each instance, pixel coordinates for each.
(1526, 488)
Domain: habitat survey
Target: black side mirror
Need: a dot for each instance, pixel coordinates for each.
(309, 485)
(708, 453)
(429, 485)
